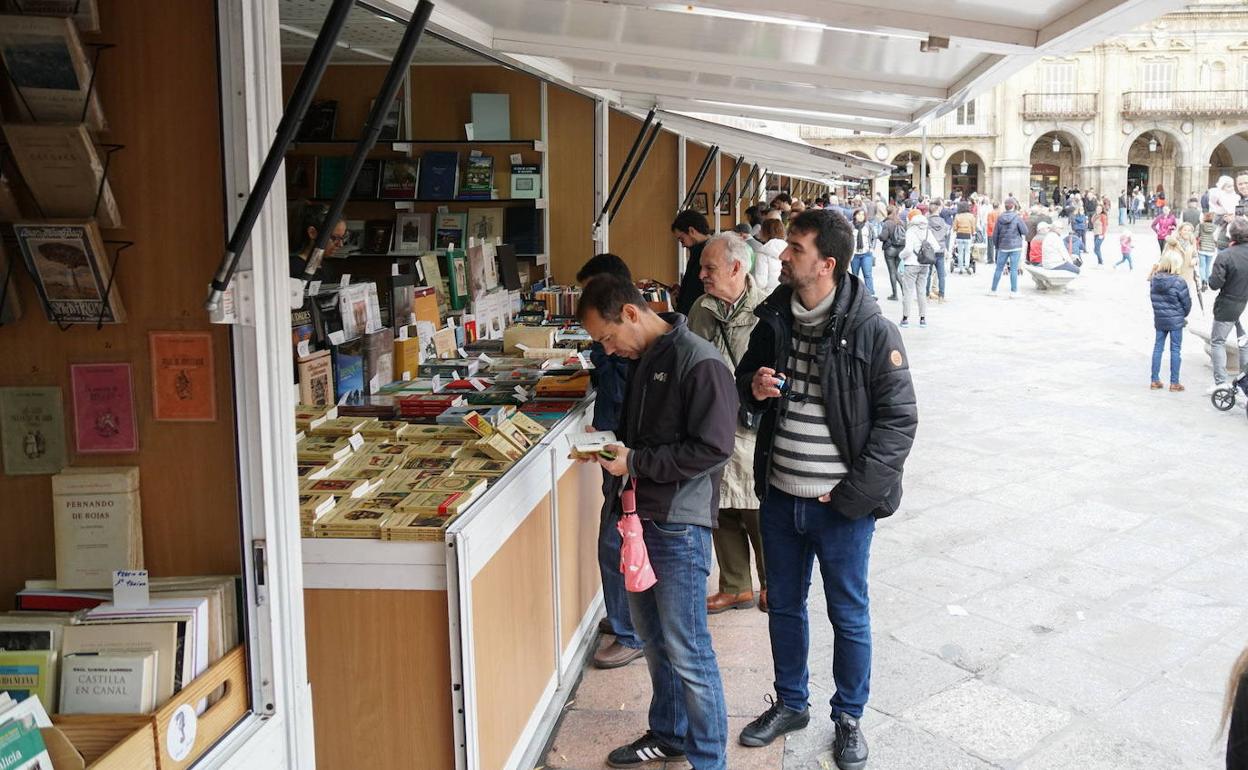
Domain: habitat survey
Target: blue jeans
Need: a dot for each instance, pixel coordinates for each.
(939, 271)
(796, 531)
(992, 250)
(1176, 342)
(1098, 240)
(962, 248)
(1206, 265)
(863, 265)
(614, 594)
(1122, 215)
(687, 708)
(1012, 258)
(1126, 257)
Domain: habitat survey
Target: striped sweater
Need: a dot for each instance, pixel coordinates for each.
(805, 462)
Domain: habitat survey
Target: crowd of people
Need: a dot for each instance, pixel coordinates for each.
(742, 421)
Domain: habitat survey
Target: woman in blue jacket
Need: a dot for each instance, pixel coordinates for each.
(1171, 304)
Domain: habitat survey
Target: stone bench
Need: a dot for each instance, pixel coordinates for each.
(1232, 345)
(1050, 280)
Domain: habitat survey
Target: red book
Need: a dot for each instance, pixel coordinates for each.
(104, 415)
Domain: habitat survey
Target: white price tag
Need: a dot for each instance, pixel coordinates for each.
(403, 332)
(581, 357)
(517, 159)
(305, 349)
(394, 268)
(338, 337)
(356, 441)
(521, 393)
(130, 589)
(463, 353)
(374, 384)
(345, 280)
(455, 374)
(477, 383)
(437, 383)
(314, 288)
(485, 360)
(407, 376)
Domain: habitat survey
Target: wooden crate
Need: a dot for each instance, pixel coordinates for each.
(137, 741)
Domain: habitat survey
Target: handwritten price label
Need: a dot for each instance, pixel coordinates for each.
(130, 589)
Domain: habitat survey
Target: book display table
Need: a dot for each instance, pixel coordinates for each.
(456, 654)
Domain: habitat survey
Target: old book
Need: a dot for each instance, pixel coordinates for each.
(85, 13)
(32, 429)
(354, 243)
(432, 276)
(361, 520)
(415, 527)
(529, 336)
(378, 359)
(478, 178)
(24, 673)
(439, 176)
(378, 236)
(398, 179)
(436, 502)
(48, 67)
(25, 631)
(104, 415)
(71, 271)
(499, 447)
(97, 683)
(485, 224)
(183, 384)
(526, 181)
(59, 164)
(97, 523)
(322, 450)
(319, 122)
(341, 427)
(522, 228)
(444, 343)
(413, 233)
(191, 615)
(425, 306)
(457, 278)
(316, 379)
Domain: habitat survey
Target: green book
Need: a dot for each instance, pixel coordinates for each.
(22, 747)
(27, 673)
(457, 277)
(330, 173)
(32, 430)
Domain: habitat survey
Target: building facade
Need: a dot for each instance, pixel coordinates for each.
(1165, 105)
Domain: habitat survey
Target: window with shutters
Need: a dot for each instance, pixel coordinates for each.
(965, 115)
(1157, 82)
(1057, 83)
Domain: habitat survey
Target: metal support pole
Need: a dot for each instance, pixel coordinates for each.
(723, 194)
(399, 70)
(628, 159)
(697, 182)
(601, 233)
(645, 152)
(287, 129)
(923, 165)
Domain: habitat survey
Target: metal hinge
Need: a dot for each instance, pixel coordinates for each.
(238, 302)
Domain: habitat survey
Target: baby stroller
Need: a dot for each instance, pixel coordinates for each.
(1225, 396)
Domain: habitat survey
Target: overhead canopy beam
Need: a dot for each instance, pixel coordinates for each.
(810, 119)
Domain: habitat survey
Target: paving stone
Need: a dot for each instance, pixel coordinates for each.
(810, 748)
(1063, 676)
(1187, 612)
(1214, 578)
(902, 676)
(1185, 533)
(992, 722)
(1086, 747)
(1041, 533)
(1127, 554)
(968, 642)
(1084, 581)
(1001, 555)
(1100, 515)
(902, 746)
(618, 689)
(1023, 606)
(1132, 642)
(892, 607)
(1210, 669)
(1187, 718)
(939, 580)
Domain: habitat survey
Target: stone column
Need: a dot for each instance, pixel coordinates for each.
(936, 182)
(1012, 178)
(879, 186)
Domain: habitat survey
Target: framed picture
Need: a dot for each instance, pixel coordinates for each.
(700, 203)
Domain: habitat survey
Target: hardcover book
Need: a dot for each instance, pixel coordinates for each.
(397, 313)
(349, 370)
(94, 683)
(300, 177)
(522, 228)
(97, 524)
(491, 117)
(378, 236)
(485, 224)
(48, 68)
(412, 231)
(183, 385)
(398, 179)
(32, 429)
(63, 171)
(104, 416)
(526, 182)
(432, 270)
(478, 178)
(407, 358)
(457, 278)
(449, 231)
(71, 271)
(24, 673)
(316, 379)
(393, 125)
(439, 178)
(378, 359)
(331, 171)
(354, 243)
(369, 180)
(318, 122)
(359, 308)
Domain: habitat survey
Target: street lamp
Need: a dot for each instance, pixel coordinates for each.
(910, 166)
(1057, 145)
(1152, 144)
(963, 167)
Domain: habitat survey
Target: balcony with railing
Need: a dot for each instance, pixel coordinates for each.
(1072, 106)
(1184, 104)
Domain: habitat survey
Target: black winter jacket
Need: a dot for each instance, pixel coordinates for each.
(679, 422)
(872, 414)
(1230, 278)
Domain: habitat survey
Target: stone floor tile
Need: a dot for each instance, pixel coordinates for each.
(1063, 540)
(892, 607)
(810, 748)
(1210, 669)
(1186, 718)
(902, 746)
(969, 642)
(1023, 606)
(586, 737)
(1213, 578)
(1122, 552)
(1187, 612)
(1001, 555)
(1084, 746)
(939, 580)
(1085, 581)
(618, 689)
(902, 676)
(1132, 642)
(989, 721)
(1063, 676)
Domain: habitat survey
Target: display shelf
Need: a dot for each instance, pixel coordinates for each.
(533, 144)
(536, 202)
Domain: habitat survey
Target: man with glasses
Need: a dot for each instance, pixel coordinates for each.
(830, 376)
(303, 239)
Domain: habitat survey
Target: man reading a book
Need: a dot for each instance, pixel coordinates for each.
(677, 431)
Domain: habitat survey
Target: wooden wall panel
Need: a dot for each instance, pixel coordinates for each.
(570, 122)
(641, 234)
(380, 667)
(580, 506)
(159, 90)
(730, 218)
(513, 615)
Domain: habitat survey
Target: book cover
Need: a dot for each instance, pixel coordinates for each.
(412, 233)
(96, 522)
(393, 124)
(98, 683)
(526, 182)
(10, 304)
(104, 416)
(378, 359)
(439, 178)
(349, 370)
(432, 277)
(360, 310)
(183, 385)
(300, 177)
(491, 117)
(397, 311)
(368, 182)
(319, 122)
(522, 228)
(354, 242)
(71, 271)
(457, 276)
(22, 747)
(425, 305)
(24, 673)
(378, 236)
(398, 178)
(331, 171)
(316, 379)
(32, 429)
(121, 638)
(48, 67)
(449, 231)
(407, 356)
(485, 224)
(63, 171)
(478, 178)
(508, 267)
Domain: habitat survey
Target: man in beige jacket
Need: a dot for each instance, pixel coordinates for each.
(724, 316)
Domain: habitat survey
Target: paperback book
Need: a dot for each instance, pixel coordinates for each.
(32, 429)
(97, 524)
(398, 179)
(478, 178)
(48, 68)
(95, 683)
(104, 415)
(59, 164)
(71, 271)
(439, 178)
(183, 383)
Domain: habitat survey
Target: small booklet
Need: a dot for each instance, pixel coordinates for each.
(591, 445)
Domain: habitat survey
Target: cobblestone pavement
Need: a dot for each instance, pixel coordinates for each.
(1066, 584)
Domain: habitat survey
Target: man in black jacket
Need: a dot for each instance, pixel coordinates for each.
(691, 231)
(677, 430)
(1229, 278)
(830, 376)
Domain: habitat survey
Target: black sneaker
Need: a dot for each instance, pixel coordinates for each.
(642, 752)
(775, 721)
(850, 748)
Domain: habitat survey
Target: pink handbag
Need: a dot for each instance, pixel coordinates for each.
(634, 560)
